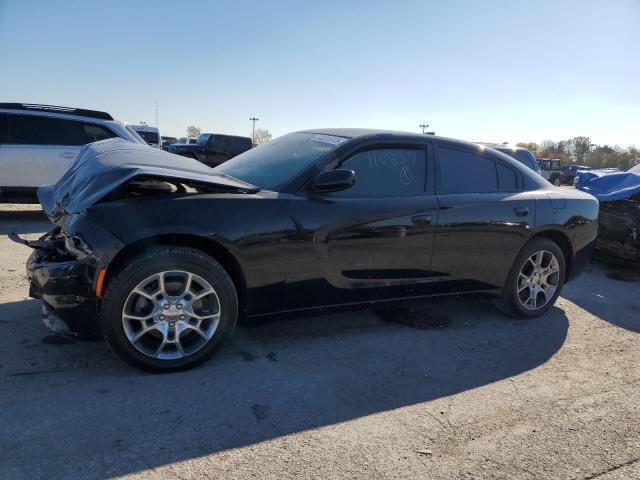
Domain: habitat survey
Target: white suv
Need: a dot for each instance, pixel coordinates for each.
(38, 143)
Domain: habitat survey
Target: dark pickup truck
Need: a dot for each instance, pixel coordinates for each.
(212, 149)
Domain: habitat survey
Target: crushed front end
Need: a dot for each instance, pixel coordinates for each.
(65, 271)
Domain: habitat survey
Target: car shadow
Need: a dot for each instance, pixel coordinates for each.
(616, 302)
(23, 221)
(72, 410)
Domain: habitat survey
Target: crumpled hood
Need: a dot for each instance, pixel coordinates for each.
(102, 167)
(610, 187)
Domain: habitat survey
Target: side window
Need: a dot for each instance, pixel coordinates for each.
(507, 179)
(386, 173)
(241, 143)
(463, 172)
(217, 141)
(95, 133)
(35, 130)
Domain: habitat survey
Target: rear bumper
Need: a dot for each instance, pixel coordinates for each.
(580, 261)
(66, 289)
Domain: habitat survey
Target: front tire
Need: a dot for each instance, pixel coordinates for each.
(169, 309)
(535, 279)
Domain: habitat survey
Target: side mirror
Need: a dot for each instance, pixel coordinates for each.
(333, 180)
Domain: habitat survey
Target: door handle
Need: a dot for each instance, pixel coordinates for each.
(421, 220)
(521, 211)
(67, 155)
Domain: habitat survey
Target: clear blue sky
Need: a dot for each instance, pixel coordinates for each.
(493, 70)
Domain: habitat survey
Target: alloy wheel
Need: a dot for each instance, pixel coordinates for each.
(171, 314)
(538, 280)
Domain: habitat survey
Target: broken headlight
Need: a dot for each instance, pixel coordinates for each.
(76, 246)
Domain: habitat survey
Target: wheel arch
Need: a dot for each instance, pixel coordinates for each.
(564, 242)
(206, 245)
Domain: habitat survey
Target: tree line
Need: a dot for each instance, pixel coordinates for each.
(581, 151)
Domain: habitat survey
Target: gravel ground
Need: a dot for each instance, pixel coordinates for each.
(452, 390)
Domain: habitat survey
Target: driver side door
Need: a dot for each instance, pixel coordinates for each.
(372, 241)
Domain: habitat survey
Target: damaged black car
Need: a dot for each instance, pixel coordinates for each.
(160, 255)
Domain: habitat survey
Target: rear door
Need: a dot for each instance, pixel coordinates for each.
(484, 218)
(39, 149)
(371, 241)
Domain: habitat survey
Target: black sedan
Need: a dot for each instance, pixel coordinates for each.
(161, 255)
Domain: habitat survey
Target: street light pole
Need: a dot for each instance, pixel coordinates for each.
(253, 133)
(423, 127)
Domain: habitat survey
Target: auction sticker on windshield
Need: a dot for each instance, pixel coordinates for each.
(332, 139)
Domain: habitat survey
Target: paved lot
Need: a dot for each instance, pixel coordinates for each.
(454, 391)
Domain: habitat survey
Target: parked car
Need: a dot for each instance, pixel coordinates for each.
(569, 173)
(212, 148)
(619, 219)
(166, 141)
(161, 254)
(585, 175)
(551, 170)
(524, 156)
(38, 143)
(151, 135)
(187, 141)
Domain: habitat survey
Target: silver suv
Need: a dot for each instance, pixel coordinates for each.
(38, 143)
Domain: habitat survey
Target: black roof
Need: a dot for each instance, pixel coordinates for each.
(382, 134)
(223, 135)
(80, 112)
(503, 146)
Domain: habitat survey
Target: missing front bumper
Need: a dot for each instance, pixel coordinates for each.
(66, 288)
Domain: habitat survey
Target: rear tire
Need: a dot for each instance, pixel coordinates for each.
(523, 294)
(169, 309)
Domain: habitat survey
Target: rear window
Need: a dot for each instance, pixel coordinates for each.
(35, 130)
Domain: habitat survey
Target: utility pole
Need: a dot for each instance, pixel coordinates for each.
(423, 126)
(253, 132)
(156, 113)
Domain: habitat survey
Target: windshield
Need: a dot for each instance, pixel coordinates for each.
(635, 168)
(279, 160)
(149, 137)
